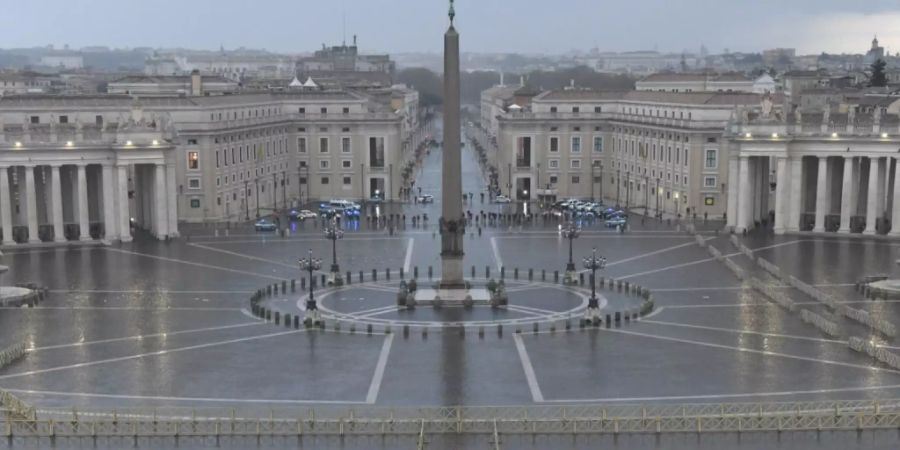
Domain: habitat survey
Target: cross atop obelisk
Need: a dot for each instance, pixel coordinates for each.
(453, 225)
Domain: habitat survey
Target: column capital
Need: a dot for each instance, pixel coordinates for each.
(81, 165)
(55, 165)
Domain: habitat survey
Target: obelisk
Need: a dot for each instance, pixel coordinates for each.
(452, 219)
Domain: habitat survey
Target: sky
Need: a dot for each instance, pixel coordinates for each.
(392, 26)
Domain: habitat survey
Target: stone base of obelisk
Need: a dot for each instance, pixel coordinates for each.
(452, 290)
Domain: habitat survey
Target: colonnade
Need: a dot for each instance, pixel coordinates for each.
(60, 202)
(849, 193)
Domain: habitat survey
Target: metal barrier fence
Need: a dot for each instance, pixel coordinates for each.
(573, 419)
(826, 326)
(874, 350)
(12, 353)
(15, 408)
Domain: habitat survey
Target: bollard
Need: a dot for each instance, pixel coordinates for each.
(424, 332)
(499, 330)
(401, 274)
(268, 315)
(516, 273)
(608, 319)
(568, 324)
(293, 285)
(502, 272)
(275, 288)
(487, 272)
(581, 278)
(535, 327)
(269, 290)
(405, 331)
(296, 322)
(481, 332)
(387, 274)
(415, 272)
(303, 283)
(618, 317)
(349, 277)
(473, 271)
(556, 276)
(530, 274)
(430, 272)
(369, 328)
(360, 276)
(374, 275)
(324, 281)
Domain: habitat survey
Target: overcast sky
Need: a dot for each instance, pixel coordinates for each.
(548, 26)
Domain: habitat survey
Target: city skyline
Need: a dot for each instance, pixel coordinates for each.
(579, 24)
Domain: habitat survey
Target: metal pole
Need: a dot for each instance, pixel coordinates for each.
(284, 187)
(256, 182)
(274, 192)
(627, 190)
(658, 195)
(246, 201)
(593, 302)
(311, 303)
(646, 194)
(618, 187)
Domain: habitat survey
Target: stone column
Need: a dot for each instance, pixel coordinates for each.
(172, 200)
(123, 215)
(733, 183)
(745, 200)
(895, 211)
(5, 207)
(821, 195)
(160, 208)
(31, 199)
(109, 211)
(848, 201)
(84, 223)
(796, 194)
(59, 232)
(781, 195)
(872, 196)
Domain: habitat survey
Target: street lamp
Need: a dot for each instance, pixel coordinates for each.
(311, 264)
(333, 232)
(618, 186)
(594, 263)
(246, 200)
(675, 199)
(570, 231)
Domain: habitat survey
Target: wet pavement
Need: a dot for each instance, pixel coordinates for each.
(151, 324)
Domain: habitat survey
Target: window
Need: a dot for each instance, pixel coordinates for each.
(324, 180)
(711, 140)
(35, 119)
(193, 183)
(192, 142)
(98, 120)
(598, 144)
(710, 182)
(63, 119)
(323, 110)
(554, 179)
(554, 144)
(301, 145)
(552, 109)
(554, 128)
(576, 179)
(324, 164)
(195, 203)
(686, 157)
(346, 164)
(553, 163)
(576, 144)
(598, 109)
(376, 152)
(712, 159)
(323, 145)
(346, 111)
(218, 157)
(193, 160)
(301, 110)
(575, 163)
(576, 110)
(523, 151)
(345, 145)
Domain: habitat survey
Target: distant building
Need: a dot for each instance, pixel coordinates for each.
(695, 82)
(62, 59)
(875, 53)
(235, 66)
(26, 83)
(169, 85)
(346, 65)
(775, 57)
(797, 81)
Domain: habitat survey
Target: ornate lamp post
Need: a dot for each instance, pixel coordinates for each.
(570, 231)
(333, 232)
(594, 263)
(311, 264)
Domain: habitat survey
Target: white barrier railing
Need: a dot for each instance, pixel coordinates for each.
(826, 326)
(735, 241)
(700, 241)
(746, 250)
(774, 295)
(769, 267)
(874, 350)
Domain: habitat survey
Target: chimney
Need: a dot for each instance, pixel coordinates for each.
(196, 83)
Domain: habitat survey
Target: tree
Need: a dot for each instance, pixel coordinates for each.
(878, 79)
(428, 83)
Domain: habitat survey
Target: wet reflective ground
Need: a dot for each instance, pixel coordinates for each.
(152, 324)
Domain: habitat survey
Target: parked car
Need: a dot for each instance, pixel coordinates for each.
(265, 225)
(615, 222)
(501, 199)
(427, 198)
(302, 214)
